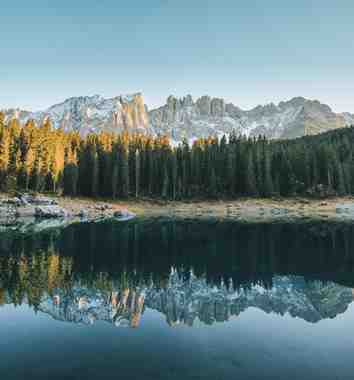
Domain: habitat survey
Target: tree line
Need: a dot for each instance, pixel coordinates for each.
(41, 158)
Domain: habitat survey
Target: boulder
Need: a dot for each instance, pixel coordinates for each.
(102, 207)
(83, 214)
(25, 211)
(123, 215)
(37, 200)
(50, 212)
(6, 214)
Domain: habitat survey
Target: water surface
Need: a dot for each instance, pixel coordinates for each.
(160, 299)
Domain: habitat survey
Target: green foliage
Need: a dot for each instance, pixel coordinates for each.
(40, 158)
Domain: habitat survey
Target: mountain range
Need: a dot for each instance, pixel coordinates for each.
(186, 118)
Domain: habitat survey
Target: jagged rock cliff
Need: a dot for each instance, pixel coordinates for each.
(186, 118)
(93, 114)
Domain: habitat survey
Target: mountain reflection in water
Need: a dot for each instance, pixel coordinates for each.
(190, 272)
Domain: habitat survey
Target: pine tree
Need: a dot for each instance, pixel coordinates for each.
(115, 176)
(137, 173)
(174, 176)
(71, 175)
(268, 181)
(125, 172)
(35, 180)
(213, 184)
(13, 169)
(95, 175)
(4, 154)
(251, 185)
(231, 172)
(166, 183)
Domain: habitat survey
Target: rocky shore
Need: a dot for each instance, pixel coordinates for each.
(26, 212)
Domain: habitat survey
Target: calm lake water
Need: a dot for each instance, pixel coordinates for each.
(178, 300)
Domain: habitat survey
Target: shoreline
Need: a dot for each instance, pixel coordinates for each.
(247, 210)
(259, 208)
(262, 208)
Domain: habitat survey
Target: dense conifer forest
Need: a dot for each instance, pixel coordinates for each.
(43, 159)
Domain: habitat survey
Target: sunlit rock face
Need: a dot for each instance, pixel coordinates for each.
(193, 300)
(93, 114)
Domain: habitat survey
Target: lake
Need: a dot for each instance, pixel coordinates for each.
(163, 299)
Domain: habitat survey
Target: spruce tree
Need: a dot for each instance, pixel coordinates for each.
(95, 174)
(125, 172)
(137, 173)
(251, 185)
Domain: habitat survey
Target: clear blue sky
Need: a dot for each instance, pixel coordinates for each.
(249, 52)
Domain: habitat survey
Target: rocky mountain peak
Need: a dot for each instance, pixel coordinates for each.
(93, 114)
(213, 116)
(185, 117)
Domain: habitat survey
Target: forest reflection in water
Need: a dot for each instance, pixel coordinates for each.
(188, 271)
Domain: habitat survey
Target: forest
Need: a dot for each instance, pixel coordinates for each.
(40, 158)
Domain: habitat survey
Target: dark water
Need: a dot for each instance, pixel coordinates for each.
(178, 300)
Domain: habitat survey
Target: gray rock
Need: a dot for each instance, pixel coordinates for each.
(84, 214)
(218, 107)
(38, 200)
(184, 118)
(123, 215)
(25, 202)
(25, 211)
(86, 114)
(51, 212)
(7, 215)
(204, 105)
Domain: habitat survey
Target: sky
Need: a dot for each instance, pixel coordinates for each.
(248, 52)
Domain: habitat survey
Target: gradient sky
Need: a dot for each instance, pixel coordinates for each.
(249, 52)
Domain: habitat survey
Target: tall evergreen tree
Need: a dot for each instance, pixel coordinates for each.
(251, 184)
(137, 173)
